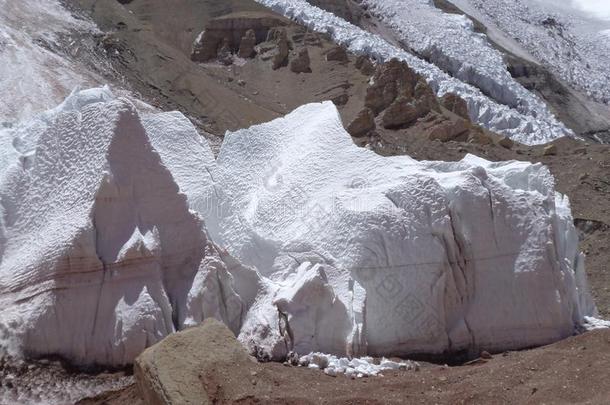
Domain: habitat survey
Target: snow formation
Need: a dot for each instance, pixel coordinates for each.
(118, 228)
(100, 255)
(509, 109)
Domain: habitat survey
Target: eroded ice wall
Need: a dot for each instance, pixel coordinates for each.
(101, 256)
(390, 256)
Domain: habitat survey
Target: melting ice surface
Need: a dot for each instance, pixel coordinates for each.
(120, 227)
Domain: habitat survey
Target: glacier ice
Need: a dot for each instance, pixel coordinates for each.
(524, 118)
(119, 227)
(408, 257)
(100, 255)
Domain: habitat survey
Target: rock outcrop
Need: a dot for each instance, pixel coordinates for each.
(363, 124)
(173, 371)
(232, 30)
(302, 63)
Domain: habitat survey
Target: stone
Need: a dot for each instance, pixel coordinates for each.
(341, 99)
(479, 137)
(170, 372)
(365, 65)
(455, 104)
(506, 143)
(362, 124)
(549, 150)
(337, 54)
(390, 80)
(280, 53)
(224, 54)
(302, 63)
(446, 130)
(486, 355)
(248, 42)
(401, 112)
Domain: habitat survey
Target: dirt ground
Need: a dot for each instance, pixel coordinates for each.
(574, 371)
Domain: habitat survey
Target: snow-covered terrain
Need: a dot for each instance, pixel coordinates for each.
(100, 255)
(567, 37)
(35, 75)
(524, 117)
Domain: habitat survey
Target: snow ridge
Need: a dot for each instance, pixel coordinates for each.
(530, 122)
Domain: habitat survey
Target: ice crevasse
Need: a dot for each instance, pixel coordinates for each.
(120, 227)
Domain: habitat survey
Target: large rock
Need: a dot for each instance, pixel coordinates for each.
(302, 63)
(337, 54)
(455, 104)
(170, 372)
(363, 124)
(232, 28)
(401, 112)
(247, 44)
(391, 79)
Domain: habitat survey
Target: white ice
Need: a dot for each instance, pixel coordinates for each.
(118, 228)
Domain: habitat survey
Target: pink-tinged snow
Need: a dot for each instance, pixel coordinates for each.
(33, 78)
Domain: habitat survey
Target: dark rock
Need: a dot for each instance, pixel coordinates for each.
(337, 54)
(248, 42)
(365, 65)
(455, 104)
(401, 112)
(302, 63)
(362, 124)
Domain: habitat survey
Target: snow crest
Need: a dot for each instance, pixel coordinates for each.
(390, 256)
(516, 113)
(100, 256)
(118, 228)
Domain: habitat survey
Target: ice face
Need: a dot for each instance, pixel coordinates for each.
(408, 257)
(100, 256)
(119, 228)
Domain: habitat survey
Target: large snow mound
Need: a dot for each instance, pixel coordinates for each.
(390, 256)
(100, 255)
(117, 228)
(511, 109)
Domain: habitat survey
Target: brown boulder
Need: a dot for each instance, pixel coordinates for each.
(279, 37)
(337, 54)
(365, 65)
(362, 124)
(248, 42)
(302, 63)
(401, 112)
(391, 80)
(445, 130)
(171, 372)
(455, 104)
